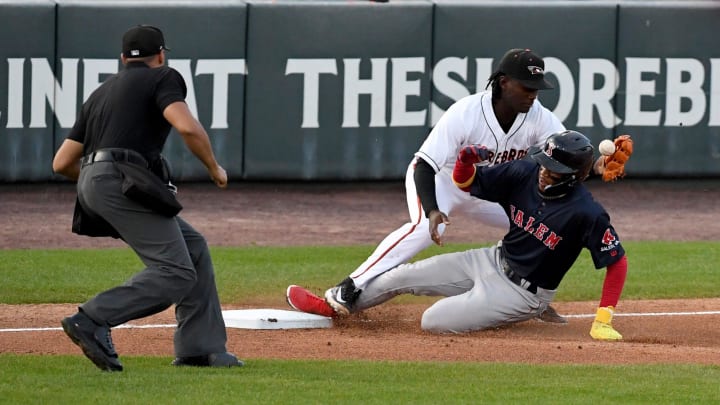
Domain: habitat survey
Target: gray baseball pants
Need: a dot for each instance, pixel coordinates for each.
(479, 295)
(178, 268)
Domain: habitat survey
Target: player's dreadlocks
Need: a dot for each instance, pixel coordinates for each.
(494, 81)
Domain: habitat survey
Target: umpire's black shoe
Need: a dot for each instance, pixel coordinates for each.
(210, 360)
(342, 297)
(94, 340)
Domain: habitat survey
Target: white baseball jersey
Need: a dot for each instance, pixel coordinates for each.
(471, 121)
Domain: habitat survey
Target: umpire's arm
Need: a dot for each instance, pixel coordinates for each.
(67, 159)
(197, 140)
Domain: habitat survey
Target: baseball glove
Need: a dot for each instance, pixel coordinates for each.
(615, 163)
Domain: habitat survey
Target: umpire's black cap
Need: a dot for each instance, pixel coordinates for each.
(526, 67)
(143, 40)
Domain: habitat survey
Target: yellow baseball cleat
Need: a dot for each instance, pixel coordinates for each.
(602, 325)
(604, 331)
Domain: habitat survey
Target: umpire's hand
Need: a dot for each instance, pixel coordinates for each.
(219, 176)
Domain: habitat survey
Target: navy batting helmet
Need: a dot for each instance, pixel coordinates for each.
(569, 153)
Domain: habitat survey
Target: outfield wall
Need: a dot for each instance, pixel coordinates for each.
(339, 90)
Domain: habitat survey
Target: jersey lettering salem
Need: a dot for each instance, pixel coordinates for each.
(546, 235)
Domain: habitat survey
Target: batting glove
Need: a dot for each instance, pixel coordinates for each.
(472, 154)
(602, 325)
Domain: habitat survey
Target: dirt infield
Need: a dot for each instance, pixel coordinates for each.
(342, 214)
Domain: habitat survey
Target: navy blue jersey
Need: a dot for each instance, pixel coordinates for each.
(546, 235)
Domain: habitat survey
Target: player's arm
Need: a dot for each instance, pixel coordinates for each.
(598, 168)
(424, 178)
(615, 276)
(464, 170)
(67, 159)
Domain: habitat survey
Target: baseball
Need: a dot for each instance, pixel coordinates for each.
(606, 147)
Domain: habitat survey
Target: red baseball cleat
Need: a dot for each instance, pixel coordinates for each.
(305, 301)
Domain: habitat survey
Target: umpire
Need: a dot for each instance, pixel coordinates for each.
(127, 120)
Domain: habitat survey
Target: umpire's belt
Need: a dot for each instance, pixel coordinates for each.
(516, 278)
(115, 155)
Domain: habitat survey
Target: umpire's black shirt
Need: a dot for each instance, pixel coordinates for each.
(126, 111)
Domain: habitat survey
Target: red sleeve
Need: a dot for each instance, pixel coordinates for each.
(463, 175)
(614, 283)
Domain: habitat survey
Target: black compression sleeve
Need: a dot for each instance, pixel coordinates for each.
(425, 185)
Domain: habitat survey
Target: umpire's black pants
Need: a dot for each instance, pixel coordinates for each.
(178, 269)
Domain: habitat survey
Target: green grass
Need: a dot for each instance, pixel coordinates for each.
(260, 274)
(252, 274)
(69, 379)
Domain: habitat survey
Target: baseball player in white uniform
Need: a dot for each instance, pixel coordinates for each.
(508, 119)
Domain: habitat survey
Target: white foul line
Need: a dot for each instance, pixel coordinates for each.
(631, 314)
(123, 326)
(649, 314)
